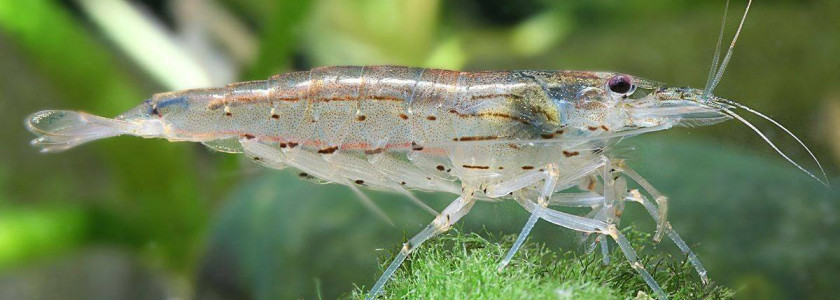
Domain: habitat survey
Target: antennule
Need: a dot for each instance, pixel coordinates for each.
(716, 58)
(728, 56)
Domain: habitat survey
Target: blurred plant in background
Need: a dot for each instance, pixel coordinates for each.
(130, 218)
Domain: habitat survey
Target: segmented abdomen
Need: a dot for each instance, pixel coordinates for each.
(376, 107)
(416, 122)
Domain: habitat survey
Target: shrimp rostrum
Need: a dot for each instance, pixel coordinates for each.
(541, 138)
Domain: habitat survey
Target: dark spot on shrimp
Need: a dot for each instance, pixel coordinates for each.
(361, 118)
(228, 114)
(570, 153)
(375, 151)
(275, 116)
(527, 167)
(441, 168)
(452, 111)
(329, 150)
(592, 128)
(476, 167)
(560, 131)
(293, 144)
(404, 116)
(248, 136)
(402, 182)
(416, 147)
(360, 182)
(501, 168)
(547, 135)
(257, 158)
(605, 128)
(303, 175)
(431, 118)
(283, 145)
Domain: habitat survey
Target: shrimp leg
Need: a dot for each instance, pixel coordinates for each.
(636, 196)
(584, 199)
(613, 206)
(550, 174)
(570, 221)
(660, 199)
(608, 211)
(563, 199)
(441, 223)
(582, 224)
(532, 220)
(656, 212)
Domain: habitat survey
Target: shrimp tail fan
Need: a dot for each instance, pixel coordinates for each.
(59, 130)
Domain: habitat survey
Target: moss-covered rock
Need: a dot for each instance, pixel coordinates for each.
(463, 266)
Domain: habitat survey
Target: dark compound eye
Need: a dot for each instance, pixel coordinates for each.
(620, 84)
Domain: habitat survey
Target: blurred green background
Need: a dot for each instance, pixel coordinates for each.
(127, 218)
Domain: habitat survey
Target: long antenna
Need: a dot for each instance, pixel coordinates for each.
(814, 157)
(728, 56)
(772, 145)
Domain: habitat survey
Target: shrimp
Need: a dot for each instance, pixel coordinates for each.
(541, 138)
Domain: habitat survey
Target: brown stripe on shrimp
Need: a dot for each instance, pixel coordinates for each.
(476, 167)
(492, 115)
(475, 138)
(242, 93)
(491, 96)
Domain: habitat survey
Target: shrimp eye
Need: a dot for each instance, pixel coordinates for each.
(621, 84)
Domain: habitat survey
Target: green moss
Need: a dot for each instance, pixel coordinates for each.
(463, 266)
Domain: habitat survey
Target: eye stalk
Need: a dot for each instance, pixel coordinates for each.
(622, 85)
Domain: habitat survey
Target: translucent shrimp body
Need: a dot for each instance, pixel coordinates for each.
(426, 129)
(540, 138)
(487, 135)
